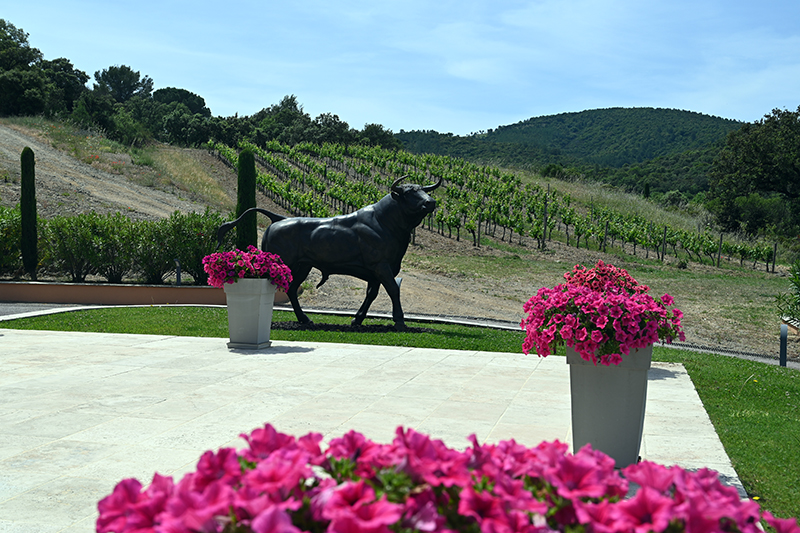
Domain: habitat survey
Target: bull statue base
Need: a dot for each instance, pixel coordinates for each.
(368, 244)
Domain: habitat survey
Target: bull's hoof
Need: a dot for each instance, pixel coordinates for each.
(356, 321)
(400, 326)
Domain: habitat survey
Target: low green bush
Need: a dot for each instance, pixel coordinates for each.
(10, 252)
(72, 245)
(152, 254)
(194, 236)
(789, 303)
(113, 247)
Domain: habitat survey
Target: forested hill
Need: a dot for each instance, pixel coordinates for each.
(618, 136)
(607, 137)
(615, 144)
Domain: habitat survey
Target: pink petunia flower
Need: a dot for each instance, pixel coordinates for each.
(273, 520)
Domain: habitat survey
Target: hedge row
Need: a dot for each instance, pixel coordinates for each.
(115, 247)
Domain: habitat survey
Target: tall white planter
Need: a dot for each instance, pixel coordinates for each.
(608, 404)
(249, 302)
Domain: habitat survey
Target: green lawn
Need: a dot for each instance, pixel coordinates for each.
(754, 407)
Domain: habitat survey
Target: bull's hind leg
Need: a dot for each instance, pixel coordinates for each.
(372, 292)
(299, 275)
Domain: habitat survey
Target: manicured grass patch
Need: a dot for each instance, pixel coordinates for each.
(213, 322)
(755, 409)
(181, 321)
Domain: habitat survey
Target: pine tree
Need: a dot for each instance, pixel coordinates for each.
(246, 231)
(27, 205)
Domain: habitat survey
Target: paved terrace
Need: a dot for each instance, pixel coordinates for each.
(81, 411)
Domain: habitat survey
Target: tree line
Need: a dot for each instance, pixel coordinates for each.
(124, 105)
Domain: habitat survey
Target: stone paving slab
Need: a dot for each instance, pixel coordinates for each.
(81, 411)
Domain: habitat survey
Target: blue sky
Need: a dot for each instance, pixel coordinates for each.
(457, 67)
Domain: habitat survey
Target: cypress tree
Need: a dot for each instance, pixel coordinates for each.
(246, 231)
(27, 207)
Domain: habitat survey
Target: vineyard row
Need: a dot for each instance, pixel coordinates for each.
(325, 180)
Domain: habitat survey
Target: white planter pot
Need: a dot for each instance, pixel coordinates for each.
(608, 404)
(249, 303)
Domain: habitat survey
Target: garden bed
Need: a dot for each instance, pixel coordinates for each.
(112, 294)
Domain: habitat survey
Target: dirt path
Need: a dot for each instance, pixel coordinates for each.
(66, 186)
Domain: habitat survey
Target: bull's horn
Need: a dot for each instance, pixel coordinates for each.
(397, 182)
(430, 188)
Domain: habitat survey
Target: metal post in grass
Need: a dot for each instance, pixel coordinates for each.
(784, 336)
(177, 272)
(544, 228)
(774, 255)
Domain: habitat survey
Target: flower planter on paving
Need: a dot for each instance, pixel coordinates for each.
(608, 404)
(250, 302)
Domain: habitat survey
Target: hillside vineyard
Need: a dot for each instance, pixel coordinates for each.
(482, 202)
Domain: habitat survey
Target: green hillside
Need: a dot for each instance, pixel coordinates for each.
(606, 137)
(667, 149)
(618, 136)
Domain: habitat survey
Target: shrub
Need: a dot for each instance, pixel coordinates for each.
(153, 256)
(194, 236)
(789, 303)
(113, 246)
(72, 245)
(10, 230)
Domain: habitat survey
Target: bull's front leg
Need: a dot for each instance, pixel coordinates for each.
(299, 275)
(393, 290)
(372, 292)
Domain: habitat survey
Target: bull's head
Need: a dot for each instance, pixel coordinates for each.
(414, 200)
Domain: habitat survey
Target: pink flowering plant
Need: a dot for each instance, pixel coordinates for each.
(602, 313)
(280, 484)
(228, 267)
(602, 275)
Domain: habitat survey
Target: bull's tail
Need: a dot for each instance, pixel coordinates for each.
(227, 226)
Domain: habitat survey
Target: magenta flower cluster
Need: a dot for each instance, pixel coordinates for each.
(602, 313)
(602, 275)
(227, 267)
(280, 484)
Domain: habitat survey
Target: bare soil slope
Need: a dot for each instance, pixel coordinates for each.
(66, 186)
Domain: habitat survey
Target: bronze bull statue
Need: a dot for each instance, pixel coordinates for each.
(368, 244)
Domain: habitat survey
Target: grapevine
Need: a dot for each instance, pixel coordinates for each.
(324, 180)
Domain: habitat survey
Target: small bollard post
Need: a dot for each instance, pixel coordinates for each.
(784, 335)
(177, 272)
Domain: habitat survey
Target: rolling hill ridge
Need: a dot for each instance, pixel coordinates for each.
(667, 149)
